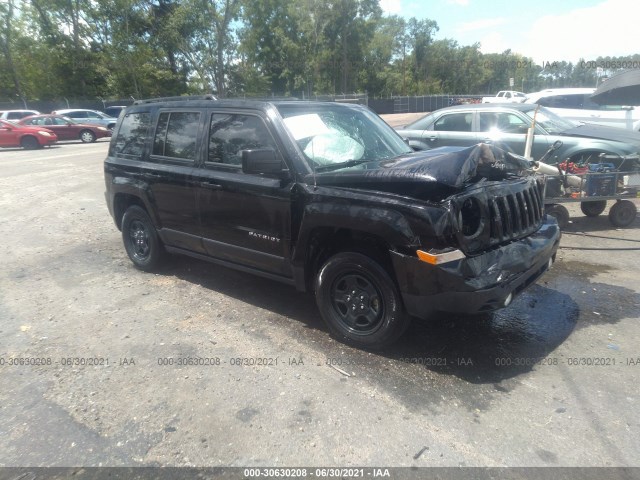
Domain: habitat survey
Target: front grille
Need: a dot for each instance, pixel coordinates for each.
(488, 215)
(515, 214)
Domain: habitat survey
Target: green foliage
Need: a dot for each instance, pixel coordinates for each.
(55, 49)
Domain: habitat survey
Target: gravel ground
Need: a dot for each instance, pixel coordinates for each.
(90, 353)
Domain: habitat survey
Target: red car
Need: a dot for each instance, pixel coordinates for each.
(67, 128)
(14, 135)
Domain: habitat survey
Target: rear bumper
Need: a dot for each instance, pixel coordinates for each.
(476, 284)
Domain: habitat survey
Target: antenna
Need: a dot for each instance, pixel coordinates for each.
(313, 166)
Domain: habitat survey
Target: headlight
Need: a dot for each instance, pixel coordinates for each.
(44, 134)
(470, 218)
(103, 129)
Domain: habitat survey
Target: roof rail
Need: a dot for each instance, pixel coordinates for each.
(208, 96)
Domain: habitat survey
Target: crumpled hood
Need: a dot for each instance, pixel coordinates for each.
(450, 167)
(615, 134)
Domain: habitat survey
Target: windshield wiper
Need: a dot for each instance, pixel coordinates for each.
(335, 166)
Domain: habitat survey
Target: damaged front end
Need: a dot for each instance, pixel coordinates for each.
(501, 239)
(476, 230)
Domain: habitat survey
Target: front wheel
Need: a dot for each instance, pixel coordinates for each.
(141, 239)
(87, 136)
(29, 143)
(359, 301)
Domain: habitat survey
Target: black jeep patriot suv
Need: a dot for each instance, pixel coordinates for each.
(328, 198)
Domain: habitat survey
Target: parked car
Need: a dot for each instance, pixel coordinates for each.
(507, 124)
(326, 197)
(16, 114)
(29, 138)
(92, 117)
(505, 96)
(114, 110)
(576, 104)
(67, 128)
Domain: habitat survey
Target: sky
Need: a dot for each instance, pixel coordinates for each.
(545, 30)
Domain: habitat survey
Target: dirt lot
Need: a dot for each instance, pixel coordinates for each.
(91, 352)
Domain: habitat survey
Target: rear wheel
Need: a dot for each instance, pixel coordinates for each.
(359, 301)
(29, 143)
(623, 213)
(87, 136)
(141, 239)
(593, 209)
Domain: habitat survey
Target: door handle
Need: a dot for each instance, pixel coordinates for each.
(211, 185)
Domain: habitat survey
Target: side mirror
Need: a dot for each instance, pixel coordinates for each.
(261, 160)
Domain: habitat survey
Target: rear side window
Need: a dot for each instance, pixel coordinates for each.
(454, 122)
(132, 134)
(562, 101)
(176, 135)
(229, 134)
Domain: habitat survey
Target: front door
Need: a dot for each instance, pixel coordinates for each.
(245, 218)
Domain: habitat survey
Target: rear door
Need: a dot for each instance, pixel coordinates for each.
(451, 129)
(245, 218)
(166, 172)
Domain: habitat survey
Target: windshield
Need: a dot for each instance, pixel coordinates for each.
(330, 136)
(551, 122)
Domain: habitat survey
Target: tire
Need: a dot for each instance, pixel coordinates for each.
(29, 143)
(359, 301)
(87, 136)
(559, 212)
(622, 213)
(593, 209)
(141, 240)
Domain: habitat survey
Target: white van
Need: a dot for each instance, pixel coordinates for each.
(576, 104)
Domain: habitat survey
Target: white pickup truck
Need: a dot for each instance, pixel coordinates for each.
(505, 96)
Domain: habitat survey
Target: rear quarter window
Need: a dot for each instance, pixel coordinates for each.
(132, 135)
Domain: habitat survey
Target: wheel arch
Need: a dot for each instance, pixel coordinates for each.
(324, 242)
(122, 201)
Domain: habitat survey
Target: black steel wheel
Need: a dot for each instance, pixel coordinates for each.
(29, 143)
(359, 301)
(559, 212)
(593, 209)
(87, 136)
(623, 213)
(141, 239)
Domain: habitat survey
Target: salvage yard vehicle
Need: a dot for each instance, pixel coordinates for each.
(575, 104)
(29, 138)
(66, 128)
(505, 96)
(15, 115)
(326, 197)
(88, 116)
(507, 125)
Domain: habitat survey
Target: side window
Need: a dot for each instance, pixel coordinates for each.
(176, 135)
(455, 122)
(229, 134)
(59, 121)
(132, 134)
(503, 122)
(562, 101)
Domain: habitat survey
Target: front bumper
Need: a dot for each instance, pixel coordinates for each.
(476, 284)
